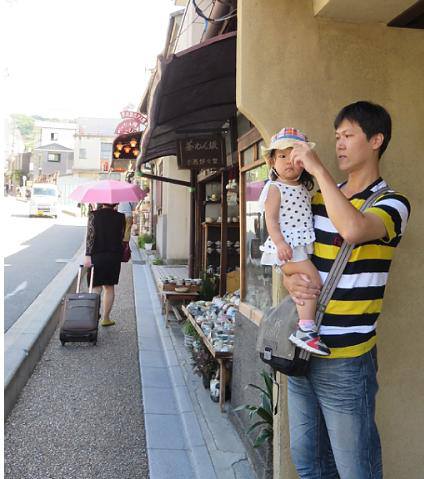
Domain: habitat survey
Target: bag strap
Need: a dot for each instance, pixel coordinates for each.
(337, 269)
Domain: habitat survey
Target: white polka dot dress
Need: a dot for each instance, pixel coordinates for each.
(296, 222)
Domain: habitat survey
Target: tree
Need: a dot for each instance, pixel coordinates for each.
(25, 124)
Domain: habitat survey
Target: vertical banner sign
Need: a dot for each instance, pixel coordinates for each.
(201, 152)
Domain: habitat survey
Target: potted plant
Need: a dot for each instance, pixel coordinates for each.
(145, 241)
(263, 413)
(190, 334)
(204, 365)
(148, 242)
(208, 288)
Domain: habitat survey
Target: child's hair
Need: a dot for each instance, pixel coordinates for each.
(372, 119)
(306, 179)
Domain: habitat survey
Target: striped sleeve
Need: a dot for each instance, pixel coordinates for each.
(394, 209)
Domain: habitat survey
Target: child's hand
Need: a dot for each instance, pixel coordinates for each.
(284, 251)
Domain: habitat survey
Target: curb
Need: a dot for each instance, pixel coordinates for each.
(26, 340)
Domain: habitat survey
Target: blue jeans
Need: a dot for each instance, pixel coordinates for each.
(333, 434)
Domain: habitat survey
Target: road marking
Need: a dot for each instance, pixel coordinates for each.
(20, 288)
(62, 260)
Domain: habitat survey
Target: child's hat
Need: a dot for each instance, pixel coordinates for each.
(285, 138)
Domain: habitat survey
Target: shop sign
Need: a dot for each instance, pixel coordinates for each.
(200, 152)
(132, 121)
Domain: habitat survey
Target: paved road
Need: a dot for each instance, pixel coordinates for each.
(34, 250)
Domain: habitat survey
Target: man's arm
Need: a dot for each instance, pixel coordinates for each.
(352, 225)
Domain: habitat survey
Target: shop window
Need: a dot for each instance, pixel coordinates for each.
(83, 153)
(258, 278)
(53, 137)
(105, 151)
(248, 156)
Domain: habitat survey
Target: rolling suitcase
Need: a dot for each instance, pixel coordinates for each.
(80, 314)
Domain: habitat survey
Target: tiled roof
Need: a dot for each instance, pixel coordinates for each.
(53, 147)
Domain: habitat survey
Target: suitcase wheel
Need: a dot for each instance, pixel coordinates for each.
(63, 343)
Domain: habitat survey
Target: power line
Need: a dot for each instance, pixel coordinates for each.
(232, 14)
(174, 42)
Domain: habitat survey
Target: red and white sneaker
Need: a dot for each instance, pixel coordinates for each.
(309, 340)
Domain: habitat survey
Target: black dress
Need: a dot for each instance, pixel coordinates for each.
(105, 232)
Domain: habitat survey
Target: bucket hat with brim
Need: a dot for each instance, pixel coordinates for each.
(285, 138)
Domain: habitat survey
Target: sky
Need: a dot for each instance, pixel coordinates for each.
(71, 58)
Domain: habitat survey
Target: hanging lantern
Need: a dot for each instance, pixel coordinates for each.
(119, 146)
(133, 142)
(116, 154)
(127, 149)
(136, 152)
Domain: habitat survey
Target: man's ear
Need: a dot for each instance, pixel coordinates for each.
(377, 140)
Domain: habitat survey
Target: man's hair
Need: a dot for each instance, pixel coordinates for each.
(372, 118)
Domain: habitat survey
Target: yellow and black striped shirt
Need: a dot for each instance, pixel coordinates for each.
(349, 323)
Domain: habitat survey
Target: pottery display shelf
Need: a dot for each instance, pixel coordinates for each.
(221, 357)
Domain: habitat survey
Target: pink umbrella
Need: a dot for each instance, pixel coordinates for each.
(107, 191)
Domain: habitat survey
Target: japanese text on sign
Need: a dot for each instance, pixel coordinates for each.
(201, 152)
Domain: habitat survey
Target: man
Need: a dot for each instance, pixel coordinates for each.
(332, 410)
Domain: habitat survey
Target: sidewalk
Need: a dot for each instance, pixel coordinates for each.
(84, 414)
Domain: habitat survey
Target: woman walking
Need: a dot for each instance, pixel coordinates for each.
(105, 232)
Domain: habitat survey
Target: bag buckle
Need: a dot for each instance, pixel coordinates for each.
(321, 307)
(267, 353)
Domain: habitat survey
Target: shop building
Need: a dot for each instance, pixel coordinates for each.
(296, 64)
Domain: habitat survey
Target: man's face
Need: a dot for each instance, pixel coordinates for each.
(353, 150)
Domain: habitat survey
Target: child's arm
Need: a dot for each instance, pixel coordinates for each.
(272, 218)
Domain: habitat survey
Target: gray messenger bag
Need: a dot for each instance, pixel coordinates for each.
(281, 321)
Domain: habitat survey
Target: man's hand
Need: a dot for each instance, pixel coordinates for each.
(284, 251)
(302, 155)
(87, 262)
(300, 287)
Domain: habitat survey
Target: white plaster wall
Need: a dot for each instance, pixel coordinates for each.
(93, 147)
(176, 207)
(65, 133)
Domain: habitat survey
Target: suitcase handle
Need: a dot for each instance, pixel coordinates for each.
(81, 267)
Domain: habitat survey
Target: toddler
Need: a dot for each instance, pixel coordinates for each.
(288, 215)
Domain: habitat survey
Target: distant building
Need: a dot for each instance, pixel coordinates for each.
(53, 148)
(93, 146)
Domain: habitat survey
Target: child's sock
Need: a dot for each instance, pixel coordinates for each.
(307, 324)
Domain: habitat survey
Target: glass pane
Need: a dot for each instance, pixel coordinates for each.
(248, 156)
(258, 277)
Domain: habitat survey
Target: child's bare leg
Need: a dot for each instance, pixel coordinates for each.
(306, 336)
(307, 311)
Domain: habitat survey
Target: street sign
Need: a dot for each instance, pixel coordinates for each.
(201, 152)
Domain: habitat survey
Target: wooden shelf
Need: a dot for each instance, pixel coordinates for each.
(207, 343)
(230, 225)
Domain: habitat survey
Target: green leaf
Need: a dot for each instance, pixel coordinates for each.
(243, 407)
(268, 381)
(267, 404)
(254, 426)
(264, 415)
(257, 387)
(264, 436)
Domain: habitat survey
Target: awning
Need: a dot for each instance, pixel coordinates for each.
(193, 90)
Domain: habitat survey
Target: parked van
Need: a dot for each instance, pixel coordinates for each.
(44, 200)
